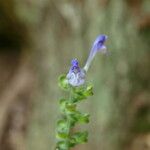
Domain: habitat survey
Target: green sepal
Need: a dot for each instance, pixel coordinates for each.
(81, 93)
(67, 107)
(79, 138)
(62, 125)
(63, 83)
(70, 108)
(78, 96)
(78, 117)
(62, 145)
(73, 120)
(62, 103)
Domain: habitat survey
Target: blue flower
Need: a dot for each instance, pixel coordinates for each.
(98, 46)
(76, 75)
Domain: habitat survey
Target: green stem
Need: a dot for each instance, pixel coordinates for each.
(69, 120)
(68, 134)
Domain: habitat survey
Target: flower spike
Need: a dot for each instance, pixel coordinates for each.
(71, 83)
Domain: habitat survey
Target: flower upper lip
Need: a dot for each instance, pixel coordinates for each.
(98, 46)
(100, 40)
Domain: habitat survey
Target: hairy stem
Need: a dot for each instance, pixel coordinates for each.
(68, 119)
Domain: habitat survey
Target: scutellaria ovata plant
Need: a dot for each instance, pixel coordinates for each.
(74, 84)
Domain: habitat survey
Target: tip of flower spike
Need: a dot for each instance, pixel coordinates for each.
(102, 37)
(74, 62)
(99, 42)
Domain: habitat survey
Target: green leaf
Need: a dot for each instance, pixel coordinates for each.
(79, 137)
(89, 90)
(63, 83)
(70, 108)
(73, 120)
(61, 135)
(72, 142)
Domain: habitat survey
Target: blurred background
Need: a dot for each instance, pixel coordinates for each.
(39, 38)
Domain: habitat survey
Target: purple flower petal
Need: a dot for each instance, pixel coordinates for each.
(76, 75)
(98, 46)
